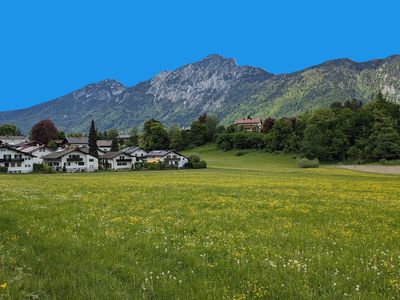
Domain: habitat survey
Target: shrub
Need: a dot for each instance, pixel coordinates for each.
(194, 162)
(3, 169)
(42, 168)
(241, 152)
(308, 163)
(393, 162)
(154, 166)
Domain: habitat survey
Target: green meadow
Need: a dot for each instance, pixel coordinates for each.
(249, 227)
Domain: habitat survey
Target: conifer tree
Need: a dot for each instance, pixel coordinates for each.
(93, 141)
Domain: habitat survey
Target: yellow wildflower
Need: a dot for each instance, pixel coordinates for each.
(4, 285)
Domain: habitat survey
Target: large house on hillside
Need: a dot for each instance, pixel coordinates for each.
(14, 160)
(249, 124)
(73, 159)
(168, 157)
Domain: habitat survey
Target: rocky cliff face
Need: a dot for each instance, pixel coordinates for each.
(215, 85)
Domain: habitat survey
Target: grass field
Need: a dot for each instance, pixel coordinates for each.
(248, 227)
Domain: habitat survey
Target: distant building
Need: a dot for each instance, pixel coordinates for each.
(73, 159)
(136, 152)
(168, 157)
(14, 160)
(249, 124)
(83, 142)
(123, 138)
(104, 145)
(37, 149)
(13, 141)
(117, 160)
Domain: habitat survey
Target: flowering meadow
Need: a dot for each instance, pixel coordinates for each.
(248, 227)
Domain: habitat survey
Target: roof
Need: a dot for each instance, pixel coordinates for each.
(112, 154)
(248, 121)
(13, 140)
(130, 150)
(13, 149)
(104, 143)
(59, 154)
(30, 149)
(162, 153)
(77, 140)
(123, 136)
(12, 137)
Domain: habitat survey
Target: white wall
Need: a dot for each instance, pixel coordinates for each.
(115, 165)
(25, 166)
(39, 153)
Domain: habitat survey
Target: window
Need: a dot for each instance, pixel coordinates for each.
(81, 163)
(91, 159)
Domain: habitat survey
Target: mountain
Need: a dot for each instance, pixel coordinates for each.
(218, 86)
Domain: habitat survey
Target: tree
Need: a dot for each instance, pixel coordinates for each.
(114, 145)
(279, 135)
(9, 130)
(176, 138)
(203, 118)
(312, 142)
(133, 137)
(158, 138)
(112, 133)
(198, 132)
(44, 131)
(93, 148)
(267, 125)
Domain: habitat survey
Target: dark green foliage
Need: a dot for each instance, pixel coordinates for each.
(52, 145)
(93, 148)
(42, 168)
(9, 129)
(194, 162)
(133, 137)
(3, 169)
(241, 152)
(177, 138)
(204, 130)
(114, 145)
(155, 136)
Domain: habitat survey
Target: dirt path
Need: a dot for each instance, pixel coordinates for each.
(373, 169)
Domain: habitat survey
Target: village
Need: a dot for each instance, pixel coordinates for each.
(19, 155)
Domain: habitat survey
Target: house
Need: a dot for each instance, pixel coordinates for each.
(117, 160)
(249, 124)
(104, 145)
(14, 160)
(75, 142)
(170, 158)
(13, 141)
(73, 159)
(123, 138)
(137, 152)
(38, 150)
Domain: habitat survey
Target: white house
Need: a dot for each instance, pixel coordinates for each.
(168, 157)
(136, 152)
(73, 159)
(117, 160)
(15, 161)
(37, 150)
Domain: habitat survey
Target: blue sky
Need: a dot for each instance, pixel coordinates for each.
(50, 48)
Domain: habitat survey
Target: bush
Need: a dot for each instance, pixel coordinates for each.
(3, 169)
(42, 168)
(194, 162)
(241, 152)
(393, 162)
(308, 163)
(153, 166)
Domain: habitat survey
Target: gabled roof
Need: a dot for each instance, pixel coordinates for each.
(123, 136)
(77, 140)
(130, 150)
(59, 154)
(104, 143)
(5, 146)
(31, 149)
(248, 121)
(162, 153)
(112, 154)
(12, 140)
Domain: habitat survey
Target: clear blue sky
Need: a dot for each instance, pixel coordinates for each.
(50, 48)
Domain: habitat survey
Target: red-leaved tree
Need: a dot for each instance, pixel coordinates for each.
(267, 125)
(44, 131)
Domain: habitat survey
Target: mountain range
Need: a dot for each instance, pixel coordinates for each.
(217, 86)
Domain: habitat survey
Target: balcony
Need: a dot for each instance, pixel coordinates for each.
(74, 159)
(124, 160)
(11, 160)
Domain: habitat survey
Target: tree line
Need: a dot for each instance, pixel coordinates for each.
(344, 131)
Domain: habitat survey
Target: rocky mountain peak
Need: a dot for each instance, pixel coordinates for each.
(104, 89)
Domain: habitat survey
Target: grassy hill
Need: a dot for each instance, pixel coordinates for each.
(251, 226)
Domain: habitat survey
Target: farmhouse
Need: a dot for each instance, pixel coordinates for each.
(73, 159)
(168, 157)
(249, 124)
(137, 152)
(117, 160)
(104, 145)
(83, 142)
(15, 161)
